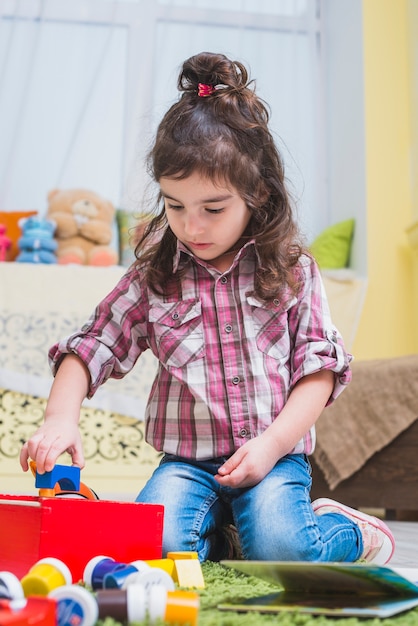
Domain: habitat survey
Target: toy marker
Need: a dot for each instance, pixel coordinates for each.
(117, 578)
(75, 606)
(153, 576)
(45, 575)
(10, 587)
(124, 605)
(97, 568)
(103, 572)
(177, 607)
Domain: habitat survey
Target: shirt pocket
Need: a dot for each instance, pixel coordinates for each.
(271, 328)
(178, 332)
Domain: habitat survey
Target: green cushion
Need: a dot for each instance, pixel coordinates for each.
(332, 247)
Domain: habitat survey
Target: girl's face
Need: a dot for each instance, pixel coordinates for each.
(209, 219)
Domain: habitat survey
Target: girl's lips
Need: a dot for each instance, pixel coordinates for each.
(198, 246)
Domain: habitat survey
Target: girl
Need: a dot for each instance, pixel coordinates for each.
(236, 314)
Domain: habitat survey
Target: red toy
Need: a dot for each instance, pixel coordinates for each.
(35, 610)
(5, 242)
(75, 530)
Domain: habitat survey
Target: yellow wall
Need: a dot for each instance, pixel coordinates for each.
(413, 52)
(413, 230)
(386, 327)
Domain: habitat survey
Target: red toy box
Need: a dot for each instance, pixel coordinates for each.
(74, 531)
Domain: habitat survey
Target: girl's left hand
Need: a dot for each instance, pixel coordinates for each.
(250, 463)
(257, 457)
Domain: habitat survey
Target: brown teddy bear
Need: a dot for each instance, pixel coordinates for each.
(83, 227)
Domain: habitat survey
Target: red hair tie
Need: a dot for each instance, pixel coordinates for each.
(205, 90)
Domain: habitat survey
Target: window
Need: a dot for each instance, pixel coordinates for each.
(83, 84)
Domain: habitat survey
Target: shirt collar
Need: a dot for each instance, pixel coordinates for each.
(183, 255)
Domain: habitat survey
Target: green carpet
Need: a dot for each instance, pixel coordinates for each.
(223, 584)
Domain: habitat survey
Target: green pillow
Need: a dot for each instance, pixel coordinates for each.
(332, 247)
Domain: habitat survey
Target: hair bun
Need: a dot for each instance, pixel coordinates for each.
(212, 69)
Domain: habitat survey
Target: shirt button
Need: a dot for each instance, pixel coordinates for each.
(224, 279)
(276, 302)
(228, 328)
(332, 335)
(243, 432)
(236, 380)
(175, 316)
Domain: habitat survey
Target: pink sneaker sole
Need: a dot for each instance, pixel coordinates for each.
(326, 505)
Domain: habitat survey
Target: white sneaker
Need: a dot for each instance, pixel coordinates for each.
(378, 541)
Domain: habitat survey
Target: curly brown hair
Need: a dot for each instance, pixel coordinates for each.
(225, 138)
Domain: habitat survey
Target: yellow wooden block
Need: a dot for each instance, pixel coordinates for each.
(166, 564)
(177, 556)
(188, 573)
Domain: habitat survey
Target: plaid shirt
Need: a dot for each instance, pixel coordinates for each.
(227, 361)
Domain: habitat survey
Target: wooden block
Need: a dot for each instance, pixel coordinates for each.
(176, 556)
(166, 564)
(188, 573)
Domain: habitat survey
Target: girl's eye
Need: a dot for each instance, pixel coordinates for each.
(174, 207)
(214, 211)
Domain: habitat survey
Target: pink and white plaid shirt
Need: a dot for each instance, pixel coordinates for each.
(227, 361)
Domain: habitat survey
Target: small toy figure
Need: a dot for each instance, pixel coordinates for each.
(37, 243)
(5, 242)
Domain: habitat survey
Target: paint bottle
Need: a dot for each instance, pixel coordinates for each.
(10, 587)
(75, 605)
(150, 577)
(124, 605)
(45, 575)
(177, 607)
(130, 605)
(117, 578)
(103, 571)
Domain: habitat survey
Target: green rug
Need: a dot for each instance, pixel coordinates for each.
(224, 584)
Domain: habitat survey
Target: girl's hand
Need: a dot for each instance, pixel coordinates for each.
(49, 442)
(250, 463)
(59, 433)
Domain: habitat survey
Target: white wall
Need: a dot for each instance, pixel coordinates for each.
(344, 113)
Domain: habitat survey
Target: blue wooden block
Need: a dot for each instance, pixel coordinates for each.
(67, 476)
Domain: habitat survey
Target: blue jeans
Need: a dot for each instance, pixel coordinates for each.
(274, 519)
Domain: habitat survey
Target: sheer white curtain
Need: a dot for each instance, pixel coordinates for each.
(83, 84)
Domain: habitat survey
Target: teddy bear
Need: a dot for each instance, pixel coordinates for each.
(83, 227)
(37, 243)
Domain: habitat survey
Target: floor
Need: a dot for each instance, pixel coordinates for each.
(406, 537)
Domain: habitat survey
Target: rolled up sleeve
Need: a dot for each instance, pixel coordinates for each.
(318, 345)
(114, 337)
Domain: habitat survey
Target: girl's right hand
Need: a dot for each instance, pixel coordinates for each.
(50, 440)
(59, 433)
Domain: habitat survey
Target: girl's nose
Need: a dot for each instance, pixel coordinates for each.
(192, 225)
